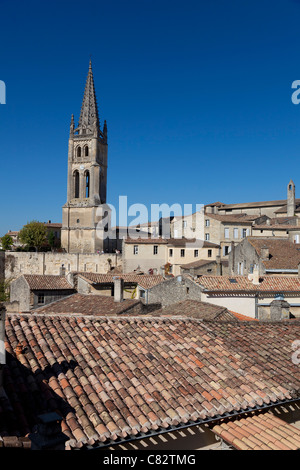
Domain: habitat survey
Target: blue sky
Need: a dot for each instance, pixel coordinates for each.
(196, 94)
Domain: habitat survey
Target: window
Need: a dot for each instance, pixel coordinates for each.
(244, 233)
(86, 151)
(142, 294)
(207, 236)
(226, 232)
(207, 223)
(135, 250)
(182, 253)
(196, 253)
(79, 151)
(236, 233)
(155, 249)
(209, 253)
(41, 298)
(184, 224)
(225, 250)
(170, 252)
(76, 184)
(87, 184)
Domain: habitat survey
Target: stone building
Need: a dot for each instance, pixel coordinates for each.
(165, 256)
(32, 291)
(268, 255)
(87, 178)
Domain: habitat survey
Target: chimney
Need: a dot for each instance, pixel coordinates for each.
(118, 289)
(279, 310)
(291, 199)
(255, 279)
(264, 252)
(48, 435)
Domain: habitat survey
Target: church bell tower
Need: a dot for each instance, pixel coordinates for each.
(87, 177)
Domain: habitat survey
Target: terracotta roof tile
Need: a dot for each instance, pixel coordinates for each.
(115, 376)
(243, 283)
(144, 280)
(283, 254)
(262, 431)
(48, 282)
(90, 305)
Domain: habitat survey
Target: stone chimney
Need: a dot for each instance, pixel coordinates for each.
(118, 289)
(255, 276)
(264, 252)
(279, 310)
(291, 199)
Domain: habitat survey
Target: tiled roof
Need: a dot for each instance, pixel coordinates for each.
(283, 254)
(263, 431)
(233, 218)
(196, 309)
(144, 280)
(47, 282)
(242, 283)
(112, 377)
(198, 264)
(89, 305)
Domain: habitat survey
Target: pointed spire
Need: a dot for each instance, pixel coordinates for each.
(89, 118)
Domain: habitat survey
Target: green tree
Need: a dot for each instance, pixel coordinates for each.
(6, 242)
(4, 290)
(33, 234)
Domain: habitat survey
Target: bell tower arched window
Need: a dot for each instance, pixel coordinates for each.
(79, 151)
(76, 184)
(86, 151)
(87, 184)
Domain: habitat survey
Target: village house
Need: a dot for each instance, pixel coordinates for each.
(165, 256)
(215, 267)
(253, 295)
(88, 382)
(29, 291)
(269, 255)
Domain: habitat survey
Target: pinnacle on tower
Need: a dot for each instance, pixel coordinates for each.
(89, 118)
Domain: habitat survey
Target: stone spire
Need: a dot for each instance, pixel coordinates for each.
(89, 118)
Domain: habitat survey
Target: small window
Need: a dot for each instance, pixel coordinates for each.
(155, 249)
(244, 232)
(236, 233)
(226, 232)
(135, 250)
(207, 236)
(79, 151)
(196, 253)
(170, 252)
(209, 253)
(41, 298)
(182, 253)
(207, 223)
(86, 151)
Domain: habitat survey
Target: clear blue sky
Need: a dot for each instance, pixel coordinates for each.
(196, 94)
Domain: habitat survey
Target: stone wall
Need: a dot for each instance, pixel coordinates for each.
(174, 290)
(17, 263)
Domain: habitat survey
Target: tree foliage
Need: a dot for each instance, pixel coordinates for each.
(6, 242)
(33, 234)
